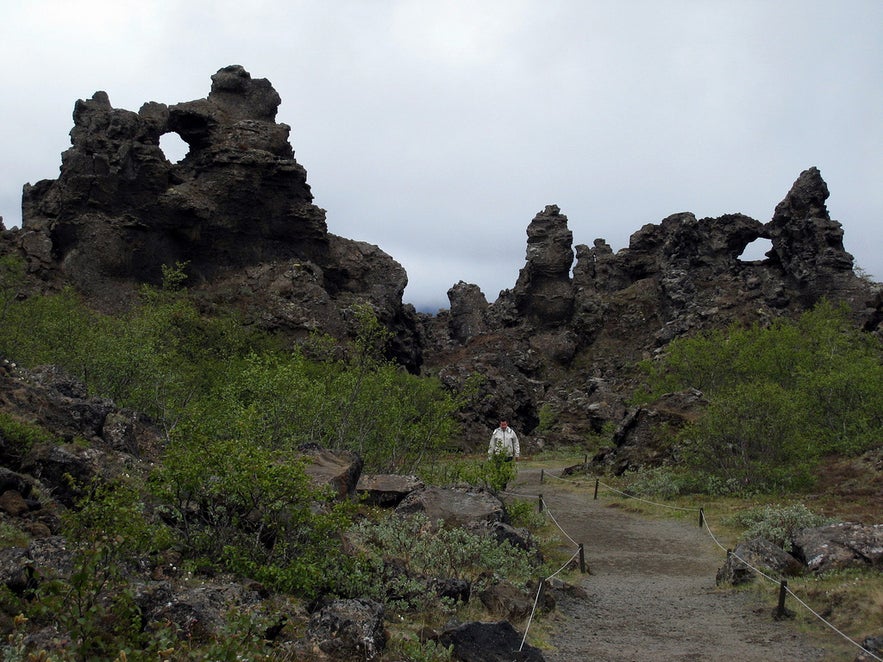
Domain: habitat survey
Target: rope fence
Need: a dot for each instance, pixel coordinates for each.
(579, 553)
(703, 523)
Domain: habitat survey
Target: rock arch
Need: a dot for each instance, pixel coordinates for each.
(173, 146)
(756, 250)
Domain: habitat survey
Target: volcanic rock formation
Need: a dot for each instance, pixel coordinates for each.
(558, 346)
(566, 343)
(237, 210)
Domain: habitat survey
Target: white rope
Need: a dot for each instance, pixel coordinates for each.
(819, 616)
(546, 510)
(710, 533)
(552, 517)
(654, 503)
(562, 478)
(537, 597)
(625, 494)
(790, 592)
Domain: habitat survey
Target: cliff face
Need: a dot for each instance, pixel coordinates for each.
(238, 211)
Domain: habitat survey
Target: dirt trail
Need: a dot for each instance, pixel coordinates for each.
(651, 591)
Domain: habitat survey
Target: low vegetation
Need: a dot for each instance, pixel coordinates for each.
(781, 399)
(229, 494)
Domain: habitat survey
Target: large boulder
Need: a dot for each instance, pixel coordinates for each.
(489, 642)
(386, 490)
(758, 553)
(505, 600)
(236, 211)
(348, 630)
(337, 469)
(457, 507)
(841, 545)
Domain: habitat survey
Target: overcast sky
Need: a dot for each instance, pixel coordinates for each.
(437, 129)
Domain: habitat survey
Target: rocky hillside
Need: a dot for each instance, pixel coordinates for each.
(238, 211)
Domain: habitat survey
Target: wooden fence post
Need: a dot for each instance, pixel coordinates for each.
(597, 480)
(701, 517)
(540, 503)
(781, 612)
(582, 559)
(542, 475)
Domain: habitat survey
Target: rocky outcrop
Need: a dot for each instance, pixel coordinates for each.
(237, 211)
(806, 242)
(819, 549)
(540, 341)
(454, 506)
(488, 642)
(543, 292)
(643, 437)
(841, 545)
(348, 630)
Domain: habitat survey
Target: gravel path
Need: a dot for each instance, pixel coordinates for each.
(651, 591)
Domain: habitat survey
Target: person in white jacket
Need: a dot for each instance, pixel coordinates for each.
(504, 441)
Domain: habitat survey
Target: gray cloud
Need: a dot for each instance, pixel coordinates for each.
(437, 130)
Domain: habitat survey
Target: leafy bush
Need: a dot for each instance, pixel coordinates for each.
(106, 532)
(247, 504)
(780, 397)
(524, 514)
(661, 482)
(493, 473)
(421, 549)
(778, 524)
(17, 437)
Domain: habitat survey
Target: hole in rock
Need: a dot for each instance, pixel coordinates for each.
(756, 250)
(173, 146)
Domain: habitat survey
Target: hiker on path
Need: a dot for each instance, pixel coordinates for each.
(504, 442)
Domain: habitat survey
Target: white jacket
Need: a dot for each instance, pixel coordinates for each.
(504, 441)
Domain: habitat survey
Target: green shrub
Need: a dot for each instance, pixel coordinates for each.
(780, 397)
(107, 532)
(422, 549)
(493, 473)
(524, 514)
(18, 437)
(660, 482)
(248, 505)
(778, 524)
